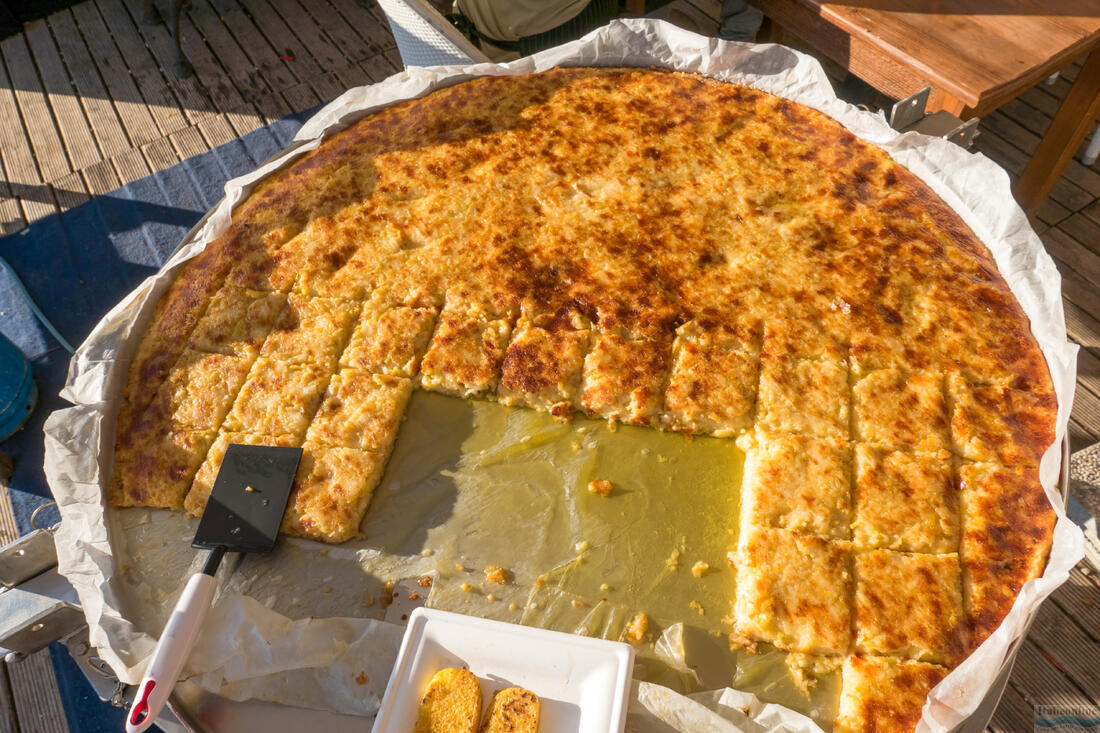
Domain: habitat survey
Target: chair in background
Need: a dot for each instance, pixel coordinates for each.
(426, 38)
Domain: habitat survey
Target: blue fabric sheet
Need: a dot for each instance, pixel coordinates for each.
(77, 265)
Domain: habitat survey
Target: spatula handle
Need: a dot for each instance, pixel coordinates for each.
(171, 652)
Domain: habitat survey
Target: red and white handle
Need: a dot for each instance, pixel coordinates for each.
(171, 652)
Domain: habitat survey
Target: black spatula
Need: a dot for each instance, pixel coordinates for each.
(243, 514)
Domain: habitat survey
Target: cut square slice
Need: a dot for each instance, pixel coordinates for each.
(905, 501)
(1007, 521)
(347, 273)
(203, 483)
(331, 492)
(390, 340)
(542, 369)
(278, 398)
(895, 409)
(909, 605)
(361, 410)
(262, 269)
(199, 390)
(623, 378)
(798, 483)
(311, 331)
(997, 424)
(793, 591)
(160, 473)
(800, 337)
(884, 693)
(712, 388)
(465, 354)
(804, 396)
(237, 321)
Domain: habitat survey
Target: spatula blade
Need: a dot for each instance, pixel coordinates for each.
(249, 498)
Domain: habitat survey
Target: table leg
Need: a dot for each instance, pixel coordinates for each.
(1063, 137)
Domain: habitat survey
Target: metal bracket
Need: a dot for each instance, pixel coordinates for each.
(907, 115)
(910, 110)
(948, 126)
(37, 606)
(27, 557)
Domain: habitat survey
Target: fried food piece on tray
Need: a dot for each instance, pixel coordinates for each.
(451, 704)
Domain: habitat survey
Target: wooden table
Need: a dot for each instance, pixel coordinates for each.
(975, 54)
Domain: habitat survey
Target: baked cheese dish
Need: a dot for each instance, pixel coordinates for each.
(656, 249)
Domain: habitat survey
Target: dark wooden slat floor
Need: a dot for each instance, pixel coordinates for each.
(89, 101)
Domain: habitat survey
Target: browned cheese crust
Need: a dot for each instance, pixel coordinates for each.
(654, 248)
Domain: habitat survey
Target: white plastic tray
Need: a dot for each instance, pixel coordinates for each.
(582, 683)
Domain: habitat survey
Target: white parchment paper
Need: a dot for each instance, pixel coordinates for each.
(257, 645)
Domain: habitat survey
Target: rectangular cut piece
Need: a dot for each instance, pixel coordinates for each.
(712, 387)
(793, 591)
(905, 501)
(909, 605)
(1007, 521)
(389, 340)
(884, 693)
(996, 424)
(623, 378)
(311, 331)
(275, 270)
(199, 390)
(805, 397)
(160, 474)
(203, 483)
(896, 409)
(800, 337)
(345, 254)
(331, 492)
(361, 410)
(542, 369)
(797, 483)
(278, 398)
(237, 321)
(465, 354)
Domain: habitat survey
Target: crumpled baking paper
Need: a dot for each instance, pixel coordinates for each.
(127, 567)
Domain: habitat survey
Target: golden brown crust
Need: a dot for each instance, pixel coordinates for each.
(909, 605)
(793, 591)
(905, 501)
(996, 423)
(884, 694)
(1007, 524)
(649, 247)
(798, 483)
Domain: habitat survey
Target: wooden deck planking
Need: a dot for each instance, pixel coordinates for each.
(172, 108)
(36, 712)
(162, 103)
(130, 166)
(228, 52)
(365, 23)
(49, 152)
(324, 52)
(137, 120)
(193, 97)
(1014, 713)
(75, 133)
(264, 58)
(97, 102)
(100, 178)
(353, 47)
(1063, 640)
